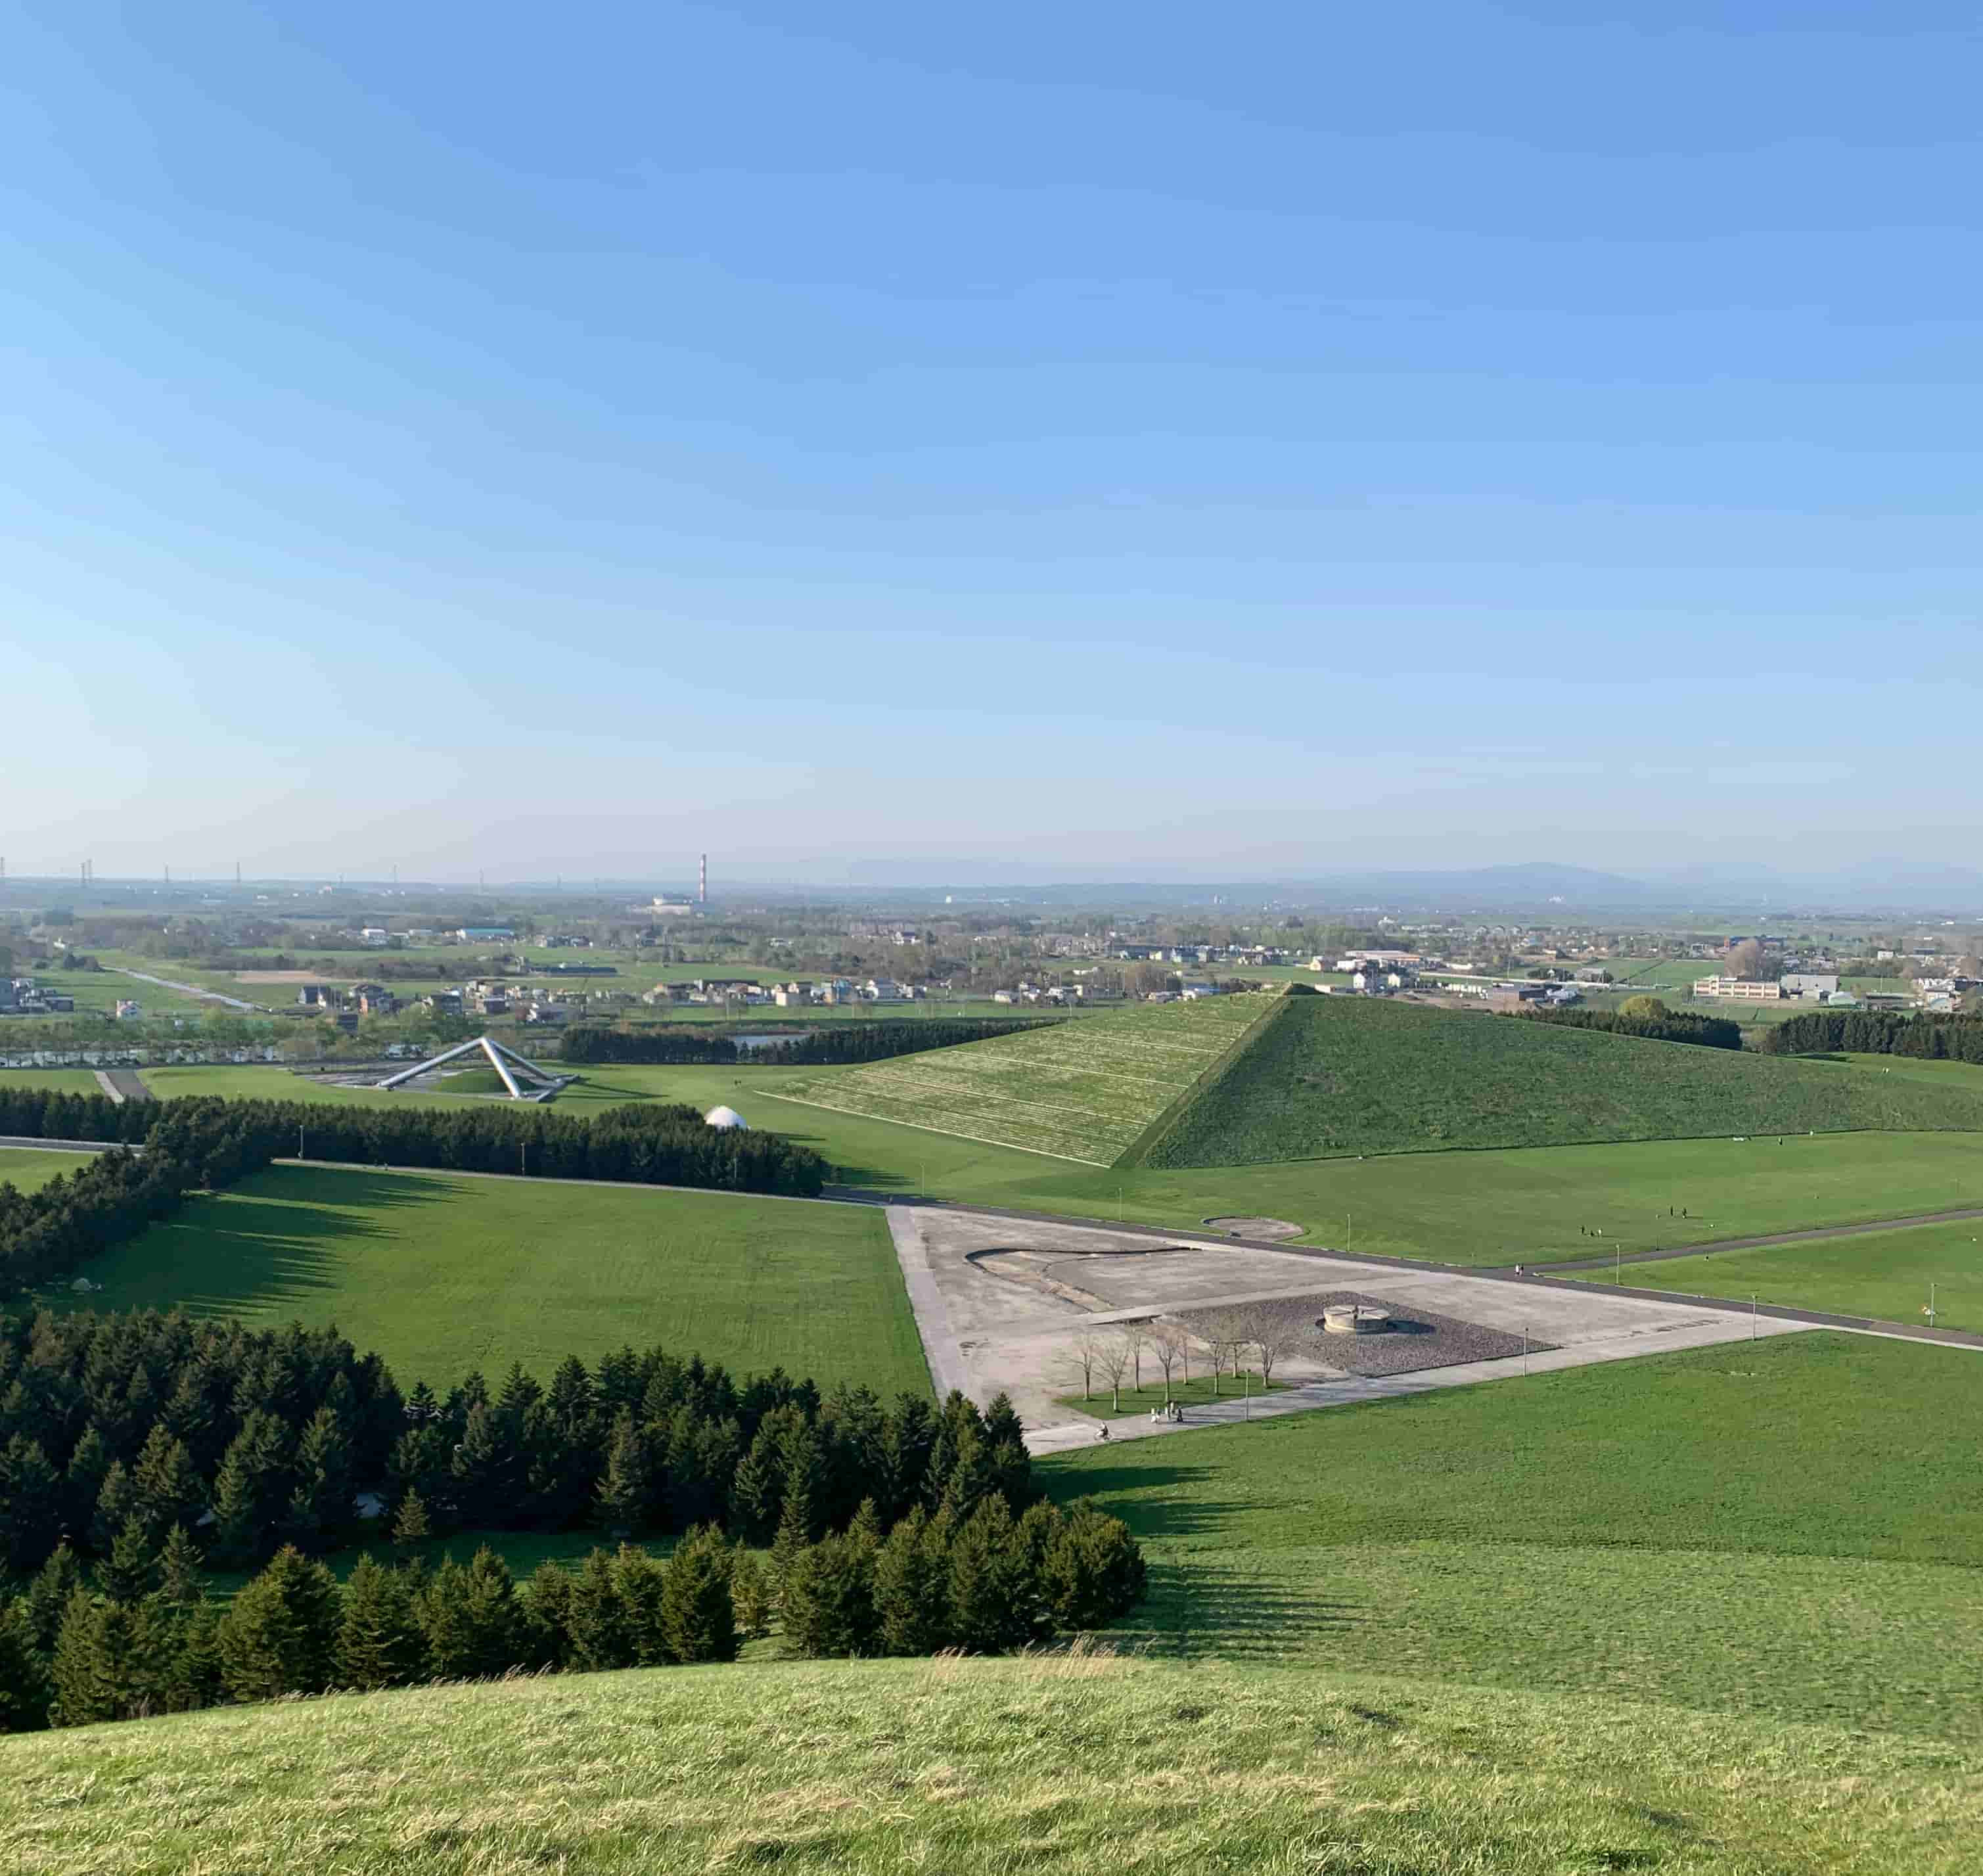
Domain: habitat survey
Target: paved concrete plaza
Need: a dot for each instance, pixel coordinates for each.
(999, 1301)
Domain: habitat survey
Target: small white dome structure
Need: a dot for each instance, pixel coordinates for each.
(725, 1117)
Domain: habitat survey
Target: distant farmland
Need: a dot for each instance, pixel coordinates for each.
(1082, 1091)
(1334, 1076)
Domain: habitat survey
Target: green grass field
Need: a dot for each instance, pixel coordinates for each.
(1960, 1075)
(28, 1168)
(1786, 1528)
(58, 1081)
(981, 1768)
(1078, 1091)
(441, 1272)
(1886, 1274)
(1336, 1075)
(1457, 1207)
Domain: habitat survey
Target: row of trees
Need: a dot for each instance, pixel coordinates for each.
(139, 1635)
(1223, 1341)
(647, 1143)
(46, 1233)
(831, 1042)
(254, 1439)
(1649, 1017)
(1877, 1032)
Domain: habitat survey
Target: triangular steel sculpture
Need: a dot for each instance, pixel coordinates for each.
(519, 1073)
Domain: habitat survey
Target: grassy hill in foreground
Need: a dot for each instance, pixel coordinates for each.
(1082, 1091)
(1069, 1764)
(1329, 1076)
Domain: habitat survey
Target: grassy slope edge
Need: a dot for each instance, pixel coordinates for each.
(1067, 1763)
(1134, 1153)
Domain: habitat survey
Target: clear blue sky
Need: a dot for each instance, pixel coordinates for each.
(1256, 438)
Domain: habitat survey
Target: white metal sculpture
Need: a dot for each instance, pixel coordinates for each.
(524, 1080)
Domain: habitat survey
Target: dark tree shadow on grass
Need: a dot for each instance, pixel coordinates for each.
(1197, 1608)
(253, 1248)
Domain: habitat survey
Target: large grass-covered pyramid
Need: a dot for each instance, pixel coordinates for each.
(1261, 1078)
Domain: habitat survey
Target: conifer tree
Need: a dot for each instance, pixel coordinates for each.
(280, 1634)
(546, 1602)
(912, 1586)
(626, 1488)
(191, 1677)
(973, 1477)
(116, 1501)
(756, 1490)
(595, 1624)
(24, 1690)
(485, 1474)
(987, 1602)
(749, 1594)
(409, 1523)
(420, 1463)
(31, 1500)
(688, 1495)
(469, 1619)
(906, 1442)
(493, 1613)
(1093, 1573)
(640, 1583)
(87, 1674)
(827, 1601)
(179, 1573)
(803, 1484)
(125, 1576)
(167, 1490)
(865, 1528)
(88, 1464)
(188, 1417)
(378, 1641)
(698, 1616)
(323, 1493)
(250, 1490)
(47, 1597)
(1005, 1442)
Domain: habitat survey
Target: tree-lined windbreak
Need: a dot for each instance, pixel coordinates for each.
(645, 1142)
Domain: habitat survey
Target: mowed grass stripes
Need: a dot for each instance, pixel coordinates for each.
(1083, 1090)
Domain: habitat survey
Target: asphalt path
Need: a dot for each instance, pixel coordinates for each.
(193, 990)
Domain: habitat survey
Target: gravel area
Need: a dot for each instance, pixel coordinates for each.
(1256, 1227)
(1416, 1338)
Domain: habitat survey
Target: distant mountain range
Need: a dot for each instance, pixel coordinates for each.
(1863, 886)
(1718, 888)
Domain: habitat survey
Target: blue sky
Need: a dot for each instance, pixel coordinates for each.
(1202, 443)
